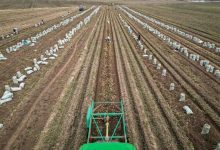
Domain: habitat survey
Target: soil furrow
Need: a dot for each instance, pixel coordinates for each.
(51, 88)
(192, 88)
(150, 138)
(203, 141)
(35, 111)
(104, 62)
(155, 98)
(26, 55)
(67, 99)
(214, 59)
(88, 94)
(69, 128)
(133, 127)
(192, 31)
(106, 87)
(192, 47)
(30, 32)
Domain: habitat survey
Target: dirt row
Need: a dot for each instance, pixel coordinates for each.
(78, 93)
(75, 126)
(19, 60)
(208, 54)
(196, 121)
(89, 89)
(157, 115)
(152, 113)
(192, 31)
(210, 93)
(107, 87)
(51, 112)
(28, 32)
(23, 19)
(26, 58)
(214, 58)
(197, 80)
(29, 116)
(107, 84)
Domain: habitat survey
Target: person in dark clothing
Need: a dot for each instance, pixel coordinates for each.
(15, 30)
(139, 37)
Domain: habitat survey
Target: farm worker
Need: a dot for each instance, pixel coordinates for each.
(139, 37)
(108, 39)
(15, 30)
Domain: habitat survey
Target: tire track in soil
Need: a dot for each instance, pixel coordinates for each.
(135, 130)
(192, 47)
(70, 87)
(190, 30)
(43, 42)
(193, 128)
(195, 91)
(150, 140)
(75, 110)
(41, 104)
(26, 55)
(19, 18)
(106, 78)
(107, 88)
(214, 59)
(158, 110)
(10, 68)
(205, 55)
(90, 92)
(27, 32)
(209, 55)
(32, 110)
(199, 140)
(192, 124)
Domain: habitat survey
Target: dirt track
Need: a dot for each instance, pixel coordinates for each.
(50, 112)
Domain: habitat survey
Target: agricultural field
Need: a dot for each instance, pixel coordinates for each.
(27, 18)
(201, 18)
(163, 66)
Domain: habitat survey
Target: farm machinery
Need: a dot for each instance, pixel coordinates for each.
(105, 122)
(81, 8)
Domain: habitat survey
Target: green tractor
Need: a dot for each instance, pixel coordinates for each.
(106, 126)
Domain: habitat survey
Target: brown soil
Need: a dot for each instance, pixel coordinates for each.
(192, 124)
(50, 112)
(26, 18)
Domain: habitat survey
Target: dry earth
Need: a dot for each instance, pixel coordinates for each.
(50, 112)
